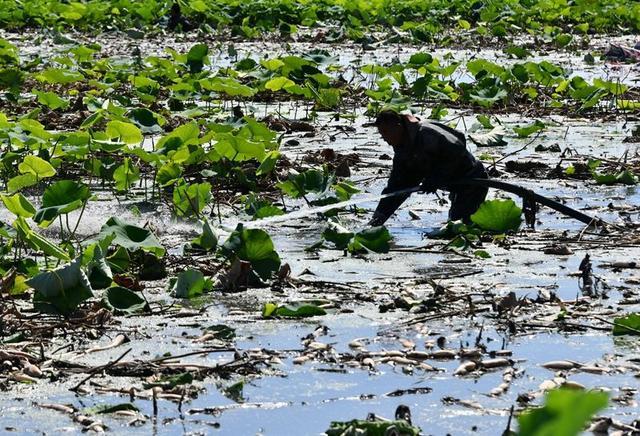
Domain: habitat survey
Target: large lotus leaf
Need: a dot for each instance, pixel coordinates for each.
(146, 156)
(258, 131)
(372, 428)
(59, 76)
(61, 291)
(18, 205)
(294, 311)
(189, 154)
(168, 174)
(34, 128)
(268, 163)
(227, 85)
(36, 166)
(627, 325)
(374, 239)
(614, 87)
(126, 175)
(529, 129)
(344, 190)
(197, 57)
(189, 200)
(120, 261)
(420, 58)
(148, 121)
(254, 246)
(131, 237)
(624, 177)
(492, 138)
(498, 216)
(145, 85)
(337, 235)
(261, 208)
(123, 300)
(50, 99)
(6, 231)
(300, 184)
(185, 134)
(107, 145)
(237, 148)
(476, 66)
(278, 83)
(21, 181)
(126, 132)
(11, 78)
(61, 198)
(190, 283)
(565, 412)
(487, 92)
(208, 240)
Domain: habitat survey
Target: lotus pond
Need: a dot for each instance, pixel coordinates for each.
(149, 282)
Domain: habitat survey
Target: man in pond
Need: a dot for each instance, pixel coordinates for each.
(432, 155)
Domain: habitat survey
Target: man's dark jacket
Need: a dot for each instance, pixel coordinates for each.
(434, 153)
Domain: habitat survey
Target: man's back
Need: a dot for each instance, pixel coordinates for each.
(433, 150)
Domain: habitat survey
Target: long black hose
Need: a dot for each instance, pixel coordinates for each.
(529, 196)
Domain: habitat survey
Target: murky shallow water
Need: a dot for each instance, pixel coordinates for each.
(304, 399)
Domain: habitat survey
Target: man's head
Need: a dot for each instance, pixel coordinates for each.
(392, 127)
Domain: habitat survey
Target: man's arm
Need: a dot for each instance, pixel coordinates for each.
(387, 206)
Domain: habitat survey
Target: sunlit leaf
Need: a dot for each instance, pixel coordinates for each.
(375, 239)
(498, 216)
(36, 166)
(20, 182)
(493, 138)
(189, 284)
(52, 100)
(125, 132)
(529, 129)
(61, 198)
(565, 412)
(131, 237)
(196, 57)
(296, 311)
(38, 242)
(18, 205)
(189, 200)
(254, 246)
(126, 175)
(207, 240)
(627, 325)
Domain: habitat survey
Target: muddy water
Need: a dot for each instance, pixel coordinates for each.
(303, 399)
(304, 396)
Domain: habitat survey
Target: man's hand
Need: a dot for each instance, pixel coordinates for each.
(377, 220)
(428, 186)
